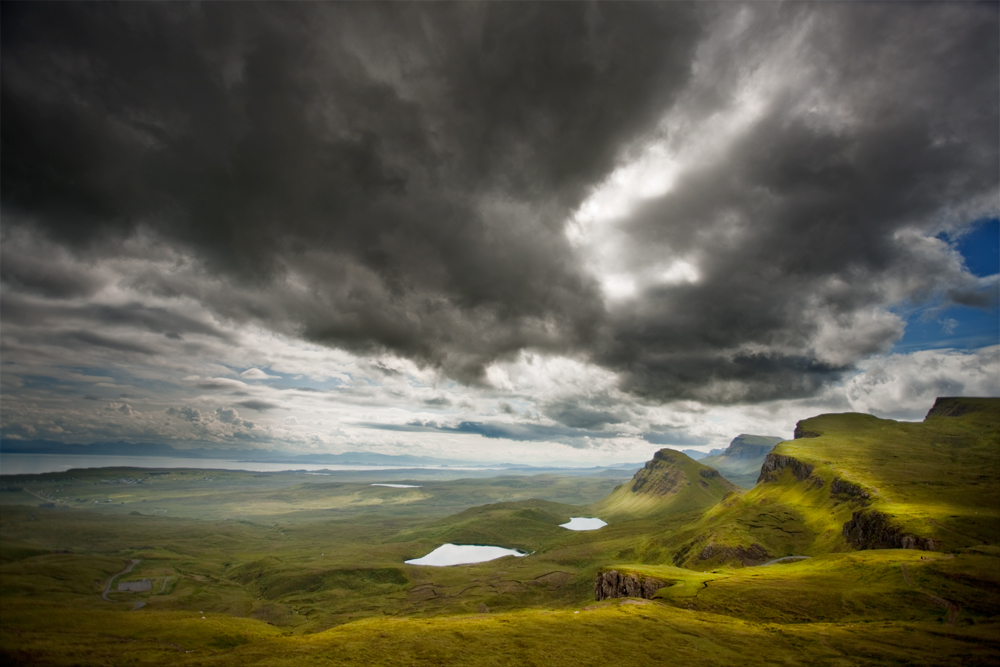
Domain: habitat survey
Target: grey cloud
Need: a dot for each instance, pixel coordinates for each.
(582, 416)
(797, 224)
(45, 276)
(524, 432)
(419, 190)
(221, 383)
(123, 408)
(188, 413)
(117, 344)
(227, 415)
(674, 436)
(398, 177)
(19, 309)
(259, 405)
(438, 402)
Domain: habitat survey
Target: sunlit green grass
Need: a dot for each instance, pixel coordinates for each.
(289, 570)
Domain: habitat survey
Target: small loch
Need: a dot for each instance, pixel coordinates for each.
(399, 486)
(583, 523)
(463, 554)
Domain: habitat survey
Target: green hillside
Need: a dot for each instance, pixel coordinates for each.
(671, 483)
(251, 569)
(854, 481)
(740, 463)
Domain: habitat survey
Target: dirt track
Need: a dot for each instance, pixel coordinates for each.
(107, 589)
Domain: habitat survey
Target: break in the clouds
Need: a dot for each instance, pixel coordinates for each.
(593, 226)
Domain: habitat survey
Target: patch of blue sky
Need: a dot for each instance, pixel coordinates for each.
(981, 248)
(953, 326)
(958, 327)
(280, 380)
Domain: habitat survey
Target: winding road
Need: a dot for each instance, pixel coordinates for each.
(107, 589)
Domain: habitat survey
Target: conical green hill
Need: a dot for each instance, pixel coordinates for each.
(854, 481)
(671, 482)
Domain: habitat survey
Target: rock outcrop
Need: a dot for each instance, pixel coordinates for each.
(775, 463)
(670, 478)
(844, 490)
(615, 584)
(803, 433)
(657, 481)
(869, 529)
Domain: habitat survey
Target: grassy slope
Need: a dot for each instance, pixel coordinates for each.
(608, 633)
(315, 586)
(939, 479)
(672, 483)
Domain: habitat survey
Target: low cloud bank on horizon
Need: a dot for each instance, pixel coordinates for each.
(493, 230)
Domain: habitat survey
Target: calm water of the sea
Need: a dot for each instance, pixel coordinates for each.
(28, 464)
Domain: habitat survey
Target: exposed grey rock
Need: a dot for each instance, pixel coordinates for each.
(844, 489)
(869, 529)
(775, 463)
(615, 584)
(802, 433)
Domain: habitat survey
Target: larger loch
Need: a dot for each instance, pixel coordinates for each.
(463, 554)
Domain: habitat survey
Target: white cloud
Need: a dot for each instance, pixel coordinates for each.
(256, 374)
(904, 386)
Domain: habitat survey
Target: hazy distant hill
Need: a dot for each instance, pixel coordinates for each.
(854, 481)
(265, 455)
(740, 463)
(670, 482)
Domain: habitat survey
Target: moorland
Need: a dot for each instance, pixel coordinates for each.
(864, 541)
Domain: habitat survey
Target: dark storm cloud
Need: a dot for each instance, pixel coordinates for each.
(412, 164)
(585, 413)
(398, 176)
(116, 344)
(801, 223)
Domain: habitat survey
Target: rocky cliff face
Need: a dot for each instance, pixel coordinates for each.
(615, 584)
(869, 529)
(801, 432)
(775, 463)
(656, 478)
(843, 490)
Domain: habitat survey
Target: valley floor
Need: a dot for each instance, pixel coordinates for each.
(248, 569)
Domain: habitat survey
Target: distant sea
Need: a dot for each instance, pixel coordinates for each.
(30, 464)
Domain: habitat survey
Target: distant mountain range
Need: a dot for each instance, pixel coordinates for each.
(740, 463)
(255, 455)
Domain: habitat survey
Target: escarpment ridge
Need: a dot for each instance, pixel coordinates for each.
(857, 482)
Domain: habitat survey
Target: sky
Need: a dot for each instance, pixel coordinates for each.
(528, 232)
